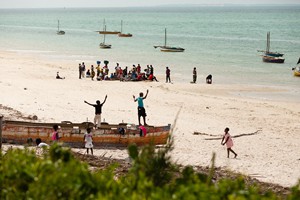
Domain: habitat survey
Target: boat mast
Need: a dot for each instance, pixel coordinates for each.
(165, 37)
(121, 26)
(268, 43)
(104, 34)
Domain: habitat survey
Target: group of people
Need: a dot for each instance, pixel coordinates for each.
(102, 73)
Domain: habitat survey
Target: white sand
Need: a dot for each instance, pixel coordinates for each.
(28, 85)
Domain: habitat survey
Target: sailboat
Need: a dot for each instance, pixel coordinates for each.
(103, 45)
(166, 48)
(124, 34)
(272, 57)
(59, 32)
(107, 32)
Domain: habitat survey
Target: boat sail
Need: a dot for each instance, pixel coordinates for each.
(59, 32)
(103, 45)
(166, 48)
(121, 34)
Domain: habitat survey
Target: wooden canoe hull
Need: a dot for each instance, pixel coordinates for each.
(72, 134)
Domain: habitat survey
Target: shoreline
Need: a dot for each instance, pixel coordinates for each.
(28, 86)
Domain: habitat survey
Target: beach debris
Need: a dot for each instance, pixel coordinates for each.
(32, 117)
(218, 137)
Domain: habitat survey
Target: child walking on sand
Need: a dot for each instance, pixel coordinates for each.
(88, 139)
(228, 141)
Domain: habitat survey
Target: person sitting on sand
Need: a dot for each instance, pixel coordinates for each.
(98, 111)
(141, 109)
(228, 141)
(88, 139)
(209, 79)
(58, 77)
(88, 74)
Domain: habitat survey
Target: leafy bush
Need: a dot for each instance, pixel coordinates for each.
(58, 175)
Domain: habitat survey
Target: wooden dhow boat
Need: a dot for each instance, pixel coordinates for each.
(107, 136)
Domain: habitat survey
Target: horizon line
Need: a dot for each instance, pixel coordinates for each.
(160, 6)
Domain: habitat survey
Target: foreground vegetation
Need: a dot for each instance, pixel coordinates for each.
(152, 175)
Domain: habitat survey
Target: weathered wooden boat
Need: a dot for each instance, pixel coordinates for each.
(166, 48)
(272, 59)
(108, 136)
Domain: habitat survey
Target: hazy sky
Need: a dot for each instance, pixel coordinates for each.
(126, 3)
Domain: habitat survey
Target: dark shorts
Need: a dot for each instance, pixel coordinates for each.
(141, 112)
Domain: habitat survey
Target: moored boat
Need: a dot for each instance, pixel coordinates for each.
(272, 59)
(297, 71)
(71, 134)
(166, 48)
(102, 45)
(121, 34)
(59, 32)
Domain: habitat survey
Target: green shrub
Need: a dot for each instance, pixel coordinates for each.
(58, 175)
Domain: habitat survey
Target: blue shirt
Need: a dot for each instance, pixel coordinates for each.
(140, 101)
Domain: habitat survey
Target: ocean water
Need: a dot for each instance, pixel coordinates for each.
(222, 41)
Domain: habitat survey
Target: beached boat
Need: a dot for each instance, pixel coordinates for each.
(59, 32)
(166, 48)
(272, 59)
(71, 134)
(121, 34)
(102, 45)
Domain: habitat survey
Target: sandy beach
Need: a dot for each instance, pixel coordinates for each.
(270, 152)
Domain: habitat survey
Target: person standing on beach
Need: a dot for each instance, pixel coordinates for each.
(194, 75)
(141, 109)
(168, 72)
(55, 135)
(98, 111)
(88, 139)
(83, 70)
(80, 71)
(228, 141)
(92, 72)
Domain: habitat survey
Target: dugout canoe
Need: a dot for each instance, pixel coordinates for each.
(20, 132)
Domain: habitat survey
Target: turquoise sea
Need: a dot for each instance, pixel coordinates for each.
(222, 41)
